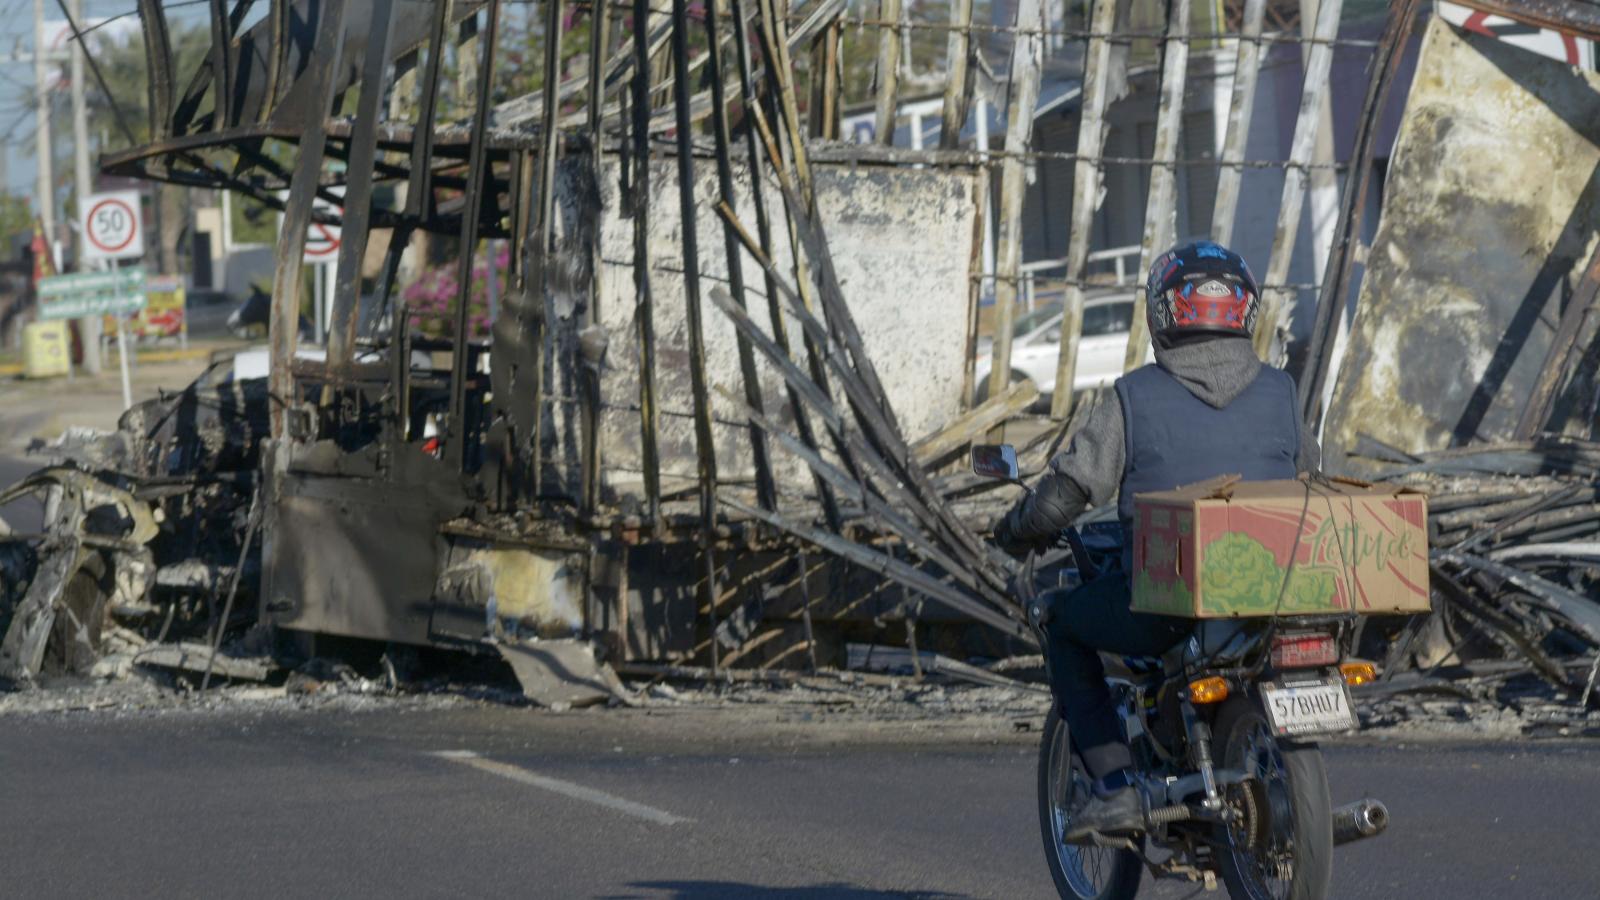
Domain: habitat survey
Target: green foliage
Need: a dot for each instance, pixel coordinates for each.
(253, 222)
(126, 73)
(16, 218)
(1239, 574)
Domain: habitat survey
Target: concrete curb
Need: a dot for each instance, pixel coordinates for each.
(139, 356)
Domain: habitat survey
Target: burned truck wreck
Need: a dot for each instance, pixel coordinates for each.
(146, 533)
(712, 422)
(599, 466)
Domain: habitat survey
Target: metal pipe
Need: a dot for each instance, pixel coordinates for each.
(1359, 820)
(766, 490)
(644, 310)
(477, 164)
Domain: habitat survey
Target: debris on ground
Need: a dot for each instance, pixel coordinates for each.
(1514, 531)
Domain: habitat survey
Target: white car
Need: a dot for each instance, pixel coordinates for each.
(1036, 345)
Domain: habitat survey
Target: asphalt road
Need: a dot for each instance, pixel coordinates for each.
(620, 805)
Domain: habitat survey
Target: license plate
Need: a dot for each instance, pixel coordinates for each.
(1308, 707)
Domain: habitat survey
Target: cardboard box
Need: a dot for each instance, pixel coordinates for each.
(1221, 549)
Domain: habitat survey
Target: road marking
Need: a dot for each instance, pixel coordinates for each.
(564, 788)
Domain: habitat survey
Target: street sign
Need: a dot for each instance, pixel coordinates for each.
(117, 293)
(322, 241)
(111, 226)
(163, 313)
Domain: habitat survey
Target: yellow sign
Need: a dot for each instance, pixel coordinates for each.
(163, 313)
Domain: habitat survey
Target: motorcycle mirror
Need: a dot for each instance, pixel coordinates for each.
(995, 461)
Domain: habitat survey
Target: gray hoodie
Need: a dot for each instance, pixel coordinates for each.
(1088, 473)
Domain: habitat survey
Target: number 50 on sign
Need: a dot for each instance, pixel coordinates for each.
(111, 226)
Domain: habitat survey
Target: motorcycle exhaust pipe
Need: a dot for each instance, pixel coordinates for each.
(1359, 820)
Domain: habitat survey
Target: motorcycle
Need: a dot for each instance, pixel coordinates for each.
(1223, 731)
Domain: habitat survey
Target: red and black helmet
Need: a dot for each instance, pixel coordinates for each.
(1201, 287)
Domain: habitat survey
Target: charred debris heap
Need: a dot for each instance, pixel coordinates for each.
(716, 423)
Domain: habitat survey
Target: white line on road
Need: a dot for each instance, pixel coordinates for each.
(564, 788)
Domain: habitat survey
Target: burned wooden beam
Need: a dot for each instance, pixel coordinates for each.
(970, 426)
(1085, 200)
(358, 191)
(780, 336)
(1315, 379)
(1160, 211)
(544, 236)
(888, 70)
(888, 567)
(283, 329)
(1027, 56)
(766, 491)
(1246, 68)
(958, 80)
(644, 314)
(705, 446)
(1275, 301)
(477, 165)
(849, 486)
(826, 65)
(599, 47)
(877, 424)
(1566, 348)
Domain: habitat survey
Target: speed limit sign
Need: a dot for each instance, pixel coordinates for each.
(111, 225)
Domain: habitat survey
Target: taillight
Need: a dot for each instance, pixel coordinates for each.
(1303, 651)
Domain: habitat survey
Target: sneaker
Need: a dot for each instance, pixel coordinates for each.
(1118, 812)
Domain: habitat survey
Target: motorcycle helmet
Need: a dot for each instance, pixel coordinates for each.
(1201, 287)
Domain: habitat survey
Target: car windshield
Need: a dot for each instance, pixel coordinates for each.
(1033, 319)
(1111, 317)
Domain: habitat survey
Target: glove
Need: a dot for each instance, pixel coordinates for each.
(1007, 537)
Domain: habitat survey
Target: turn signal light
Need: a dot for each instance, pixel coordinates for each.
(1358, 673)
(1208, 690)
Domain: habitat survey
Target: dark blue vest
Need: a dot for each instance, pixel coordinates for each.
(1172, 438)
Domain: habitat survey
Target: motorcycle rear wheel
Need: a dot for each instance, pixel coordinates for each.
(1080, 872)
(1288, 856)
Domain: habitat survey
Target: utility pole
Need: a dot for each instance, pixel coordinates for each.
(47, 215)
(88, 326)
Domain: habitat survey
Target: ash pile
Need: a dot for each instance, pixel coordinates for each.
(1513, 643)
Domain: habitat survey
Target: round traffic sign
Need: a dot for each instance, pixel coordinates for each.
(321, 241)
(112, 224)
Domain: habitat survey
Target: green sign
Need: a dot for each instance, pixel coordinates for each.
(117, 292)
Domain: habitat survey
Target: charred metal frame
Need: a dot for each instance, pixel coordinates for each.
(499, 176)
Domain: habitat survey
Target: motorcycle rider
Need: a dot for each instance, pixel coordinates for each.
(1207, 407)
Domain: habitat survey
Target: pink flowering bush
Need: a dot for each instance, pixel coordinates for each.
(431, 299)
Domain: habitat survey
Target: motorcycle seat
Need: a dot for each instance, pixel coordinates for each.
(1223, 638)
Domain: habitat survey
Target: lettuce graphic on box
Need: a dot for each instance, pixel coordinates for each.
(1163, 597)
(1239, 574)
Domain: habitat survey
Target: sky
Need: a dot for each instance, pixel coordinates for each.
(17, 110)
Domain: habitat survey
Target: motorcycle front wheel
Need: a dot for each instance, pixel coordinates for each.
(1282, 847)
(1081, 872)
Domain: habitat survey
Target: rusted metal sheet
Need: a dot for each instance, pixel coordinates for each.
(1493, 199)
(1576, 17)
(1332, 324)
